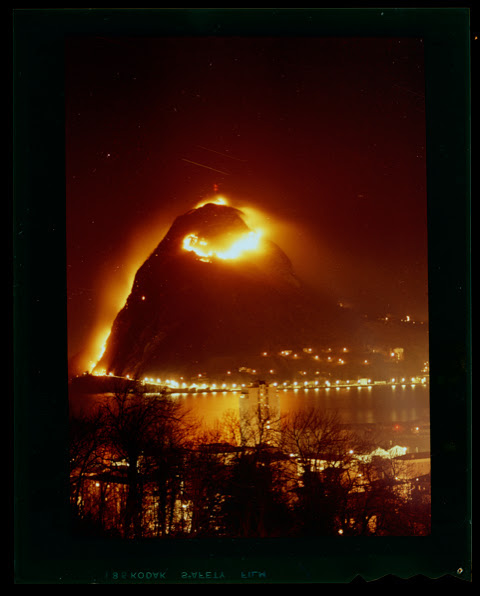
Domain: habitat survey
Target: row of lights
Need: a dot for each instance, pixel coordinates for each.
(175, 384)
(214, 386)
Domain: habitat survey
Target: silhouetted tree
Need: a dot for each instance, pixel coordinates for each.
(86, 455)
(322, 455)
(254, 502)
(166, 466)
(208, 467)
(133, 423)
(140, 467)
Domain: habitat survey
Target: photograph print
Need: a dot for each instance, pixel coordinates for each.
(247, 287)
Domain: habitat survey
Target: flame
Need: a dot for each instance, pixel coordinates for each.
(215, 201)
(101, 343)
(116, 282)
(202, 248)
(115, 285)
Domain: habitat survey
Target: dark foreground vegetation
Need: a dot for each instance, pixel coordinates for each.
(142, 467)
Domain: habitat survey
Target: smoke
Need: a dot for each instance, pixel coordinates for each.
(312, 260)
(114, 282)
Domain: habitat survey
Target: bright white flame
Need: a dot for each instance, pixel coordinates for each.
(247, 242)
(102, 342)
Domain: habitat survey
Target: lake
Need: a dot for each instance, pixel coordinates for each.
(400, 414)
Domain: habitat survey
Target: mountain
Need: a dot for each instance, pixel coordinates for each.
(213, 295)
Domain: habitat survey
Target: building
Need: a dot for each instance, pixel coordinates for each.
(259, 409)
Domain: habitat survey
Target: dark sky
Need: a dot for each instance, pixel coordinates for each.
(325, 137)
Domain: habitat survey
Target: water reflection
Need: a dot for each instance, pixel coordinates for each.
(369, 405)
(385, 406)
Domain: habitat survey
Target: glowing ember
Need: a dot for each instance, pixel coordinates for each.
(102, 345)
(201, 247)
(215, 201)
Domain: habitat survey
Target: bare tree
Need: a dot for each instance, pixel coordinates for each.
(86, 454)
(208, 467)
(253, 501)
(322, 455)
(314, 438)
(166, 465)
(133, 423)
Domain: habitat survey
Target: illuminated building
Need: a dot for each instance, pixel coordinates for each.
(259, 407)
(398, 354)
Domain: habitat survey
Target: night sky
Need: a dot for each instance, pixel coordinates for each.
(324, 136)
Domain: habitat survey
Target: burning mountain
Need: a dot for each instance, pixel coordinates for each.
(213, 292)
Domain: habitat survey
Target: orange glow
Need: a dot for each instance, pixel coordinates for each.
(116, 284)
(246, 243)
(115, 279)
(215, 201)
(99, 346)
(252, 216)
